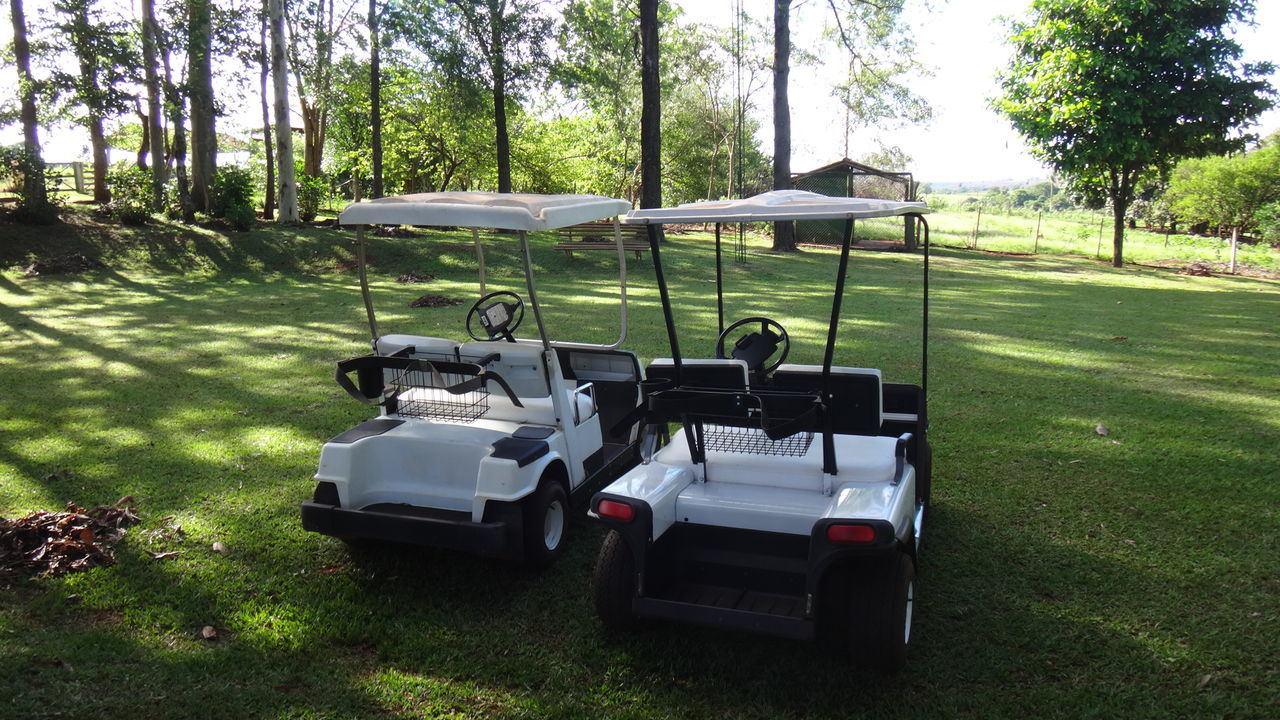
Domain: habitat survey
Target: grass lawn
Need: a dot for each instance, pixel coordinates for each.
(1065, 574)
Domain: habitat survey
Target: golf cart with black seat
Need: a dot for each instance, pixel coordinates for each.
(791, 500)
(482, 445)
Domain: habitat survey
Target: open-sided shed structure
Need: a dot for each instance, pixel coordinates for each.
(847, 178)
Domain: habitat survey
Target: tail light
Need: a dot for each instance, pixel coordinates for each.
(851, 533)
(621, 512)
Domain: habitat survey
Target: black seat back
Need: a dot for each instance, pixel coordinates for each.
(854, 407)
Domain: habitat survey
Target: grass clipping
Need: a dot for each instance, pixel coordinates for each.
(56, 543)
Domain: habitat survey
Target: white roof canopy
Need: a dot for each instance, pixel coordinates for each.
(507, 211)
(777, 205)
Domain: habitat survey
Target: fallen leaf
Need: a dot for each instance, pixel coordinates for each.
(163, 555)
(1102, 429)
(218, 547)
(208, 633)
(1131, 543)
(1204, 681)
(1072, 462)
(1116, 442)
(1120, 338)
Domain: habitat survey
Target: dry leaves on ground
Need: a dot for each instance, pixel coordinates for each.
(55, 543)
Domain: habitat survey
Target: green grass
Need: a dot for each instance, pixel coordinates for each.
(1064, 574)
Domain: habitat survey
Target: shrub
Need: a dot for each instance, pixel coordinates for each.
(1268, 218)
(311, 192)
(233, 197)
(131, 194)
(15, 165)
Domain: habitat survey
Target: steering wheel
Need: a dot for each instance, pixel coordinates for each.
(498, 318)
(755, 348)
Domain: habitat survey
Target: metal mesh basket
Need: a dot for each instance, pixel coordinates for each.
(421, 394)
(753, 441)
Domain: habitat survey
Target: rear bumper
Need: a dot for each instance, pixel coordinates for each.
(725, 618)
(497, 537)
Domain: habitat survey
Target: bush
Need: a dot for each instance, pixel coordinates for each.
(131, 194)
(15, 165)
(311, 192)
(1268, 217)
(233, 197)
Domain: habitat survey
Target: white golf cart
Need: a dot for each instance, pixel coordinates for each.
(791, 500)
(480, 445)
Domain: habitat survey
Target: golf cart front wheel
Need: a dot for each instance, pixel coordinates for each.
(880, 614)
(546, 524)
(613, 584)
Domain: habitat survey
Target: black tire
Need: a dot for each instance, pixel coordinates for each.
(880, 614)
(546, 524)
(613, 584)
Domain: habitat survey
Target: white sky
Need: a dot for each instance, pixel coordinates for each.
(961, 40)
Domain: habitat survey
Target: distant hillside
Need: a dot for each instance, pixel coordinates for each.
(981, 185)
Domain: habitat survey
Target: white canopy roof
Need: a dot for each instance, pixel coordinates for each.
(777, 205)
(508, 211)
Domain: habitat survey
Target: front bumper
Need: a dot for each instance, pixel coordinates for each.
(498, 535)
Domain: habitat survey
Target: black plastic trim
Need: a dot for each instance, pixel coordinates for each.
(366, 429)
(726, 618)
(522, 450)
(483, 537)
(638, 532)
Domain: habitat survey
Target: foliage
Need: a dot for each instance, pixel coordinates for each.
(15, 165)
(1268, 219)
(233, 196)
(1226, 191)
(882, 57)
(1114, 93)
(312, 191)
(132, 191)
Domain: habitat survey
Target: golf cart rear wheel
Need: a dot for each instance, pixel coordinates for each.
(546, 524)
(880, 611)
(613, 584)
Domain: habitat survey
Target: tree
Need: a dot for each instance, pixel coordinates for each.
(375, 98)
(1229, 191)
(154, 128)
(784, 237)
(35, 194)
(102, 48)
(204, 137)
(1113, 93)
(497, 43)
(314, 28)
(651, 108)
(264, 70)
(287, 191)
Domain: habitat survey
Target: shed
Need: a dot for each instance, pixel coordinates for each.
(847, 178)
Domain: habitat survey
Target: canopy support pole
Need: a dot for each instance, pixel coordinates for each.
(533, 295)
(364, 287)
(828, 440)
(622, 281)
(475, 235)
(719, 285)
(665, 297)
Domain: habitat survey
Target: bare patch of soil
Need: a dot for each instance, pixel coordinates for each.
(68, 264)
(413, 276)
(434, 301)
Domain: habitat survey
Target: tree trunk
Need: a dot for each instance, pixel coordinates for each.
(34, 190)
(146, 138)
(650, 108)
(288, 187)
(784, 237)
(204, 140)
(155, 130)
(98, 141)
(177, 109)
(498, 66)
(269, 193)
(375, 97)
(1235, 246)
(1117, 227)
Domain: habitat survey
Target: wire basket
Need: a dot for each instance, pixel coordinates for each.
(422, 394)
(753, 441)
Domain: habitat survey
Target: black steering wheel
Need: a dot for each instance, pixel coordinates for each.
(755, 348)
(498, 318)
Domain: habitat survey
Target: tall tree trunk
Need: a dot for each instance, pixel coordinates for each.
(650, 108)
(783, 232)
(269, 193)
(155, 131)
(37, 195)
(177, 109)
(313, 129)
(288, 188)
(375, 97)
(98, 141)
(498, 64)
(1117, 233)
(146, 138)
(204, 140)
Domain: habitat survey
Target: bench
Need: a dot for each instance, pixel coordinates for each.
(599, 236)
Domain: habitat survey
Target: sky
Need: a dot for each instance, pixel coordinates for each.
(961, 41)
